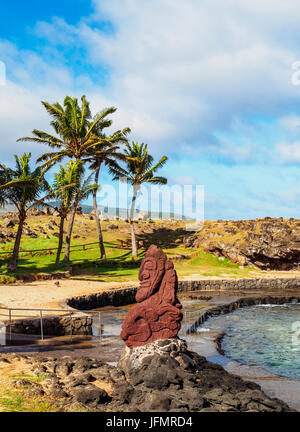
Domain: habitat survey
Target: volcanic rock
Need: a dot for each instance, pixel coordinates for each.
(269, 243)
(9, 223)
(166, 376)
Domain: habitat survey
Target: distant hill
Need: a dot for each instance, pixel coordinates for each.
(111, 212)
(122, 212)
(8, 208)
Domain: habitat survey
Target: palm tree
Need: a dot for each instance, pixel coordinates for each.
(139, 169)
(64, 191)
(22, 187)
(6, 183)
(83, 189)
(106, 153)
(79, 136)
(3, 181)
(75, 128)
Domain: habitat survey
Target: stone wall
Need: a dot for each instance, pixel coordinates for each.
(31, 277)
(126, 296)
(242, 302)
(118, 297)
(240, 284)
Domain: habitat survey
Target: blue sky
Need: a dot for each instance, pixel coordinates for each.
(210, 84)
(24, 15)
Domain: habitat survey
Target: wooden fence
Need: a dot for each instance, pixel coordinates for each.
(50, 251)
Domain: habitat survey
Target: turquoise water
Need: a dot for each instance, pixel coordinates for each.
(266, 336)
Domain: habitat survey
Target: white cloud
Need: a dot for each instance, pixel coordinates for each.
(291, 122)
(179, 71)
(183, 69)
(289, 152)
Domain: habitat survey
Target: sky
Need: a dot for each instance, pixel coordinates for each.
(213, 85)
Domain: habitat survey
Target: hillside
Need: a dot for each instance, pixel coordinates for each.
(221, 248)
(41, 233)
(268, 243)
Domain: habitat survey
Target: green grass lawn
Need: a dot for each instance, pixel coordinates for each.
(206, 264)
(43, 262)
(119, 265)
(20, 399)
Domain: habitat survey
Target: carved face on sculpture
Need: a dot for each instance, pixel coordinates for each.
(157, 315)
(151, 272)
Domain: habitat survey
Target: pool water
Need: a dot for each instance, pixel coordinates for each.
(267, 336)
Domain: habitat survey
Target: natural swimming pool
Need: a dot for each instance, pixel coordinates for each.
(267, 336)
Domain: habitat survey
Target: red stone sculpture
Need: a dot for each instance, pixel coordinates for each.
(157, 314)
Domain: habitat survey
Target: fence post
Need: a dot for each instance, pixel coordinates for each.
(71, 326)
(100, 330)
(41, 319)
(9, 324)
(186, 323)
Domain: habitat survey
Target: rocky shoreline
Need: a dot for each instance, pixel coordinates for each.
(161, 376)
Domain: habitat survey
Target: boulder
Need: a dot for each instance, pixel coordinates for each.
(90, 394)
(166, 376)
(9, 223)
(35, 212)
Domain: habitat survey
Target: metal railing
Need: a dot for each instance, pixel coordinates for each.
(64, 313)
(191, 320)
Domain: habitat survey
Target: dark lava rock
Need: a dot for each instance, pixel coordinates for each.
(64, 368)
(32, 388)
(161, 376)
(123, 393)
(85, 363)
(165, 376)
(157, 401)
(57, 391)
(90, 394)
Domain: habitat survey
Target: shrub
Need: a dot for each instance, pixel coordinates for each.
(7, 279)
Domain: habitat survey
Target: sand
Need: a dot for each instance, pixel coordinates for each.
(47, 295)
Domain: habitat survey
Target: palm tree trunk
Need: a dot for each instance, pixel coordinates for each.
(69, 233)
(98, 224)
(133, 239)
(15, 255)
(60, 242)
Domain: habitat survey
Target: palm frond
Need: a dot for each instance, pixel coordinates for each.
(157, 180)
(155, 167)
